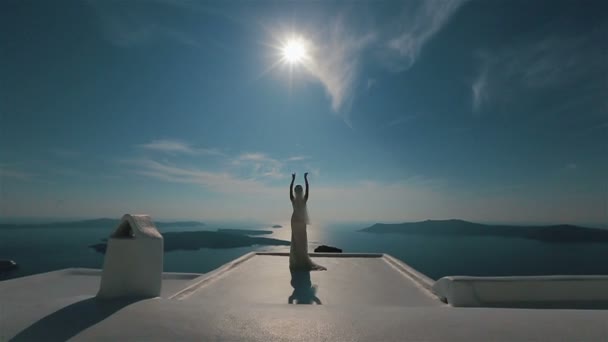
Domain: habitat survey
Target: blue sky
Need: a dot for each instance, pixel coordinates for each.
(492, 111)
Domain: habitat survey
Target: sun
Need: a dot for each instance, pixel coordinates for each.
(294, 51)
(291, 52)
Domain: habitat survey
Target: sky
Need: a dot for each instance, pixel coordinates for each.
(490, 111)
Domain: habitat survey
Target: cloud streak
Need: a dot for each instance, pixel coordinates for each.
(571, 62)
(260, 165)
(400, 120)
(221, 182)
(337, 55)
(478, 90)
(339, 51)
(176, 146)
(256, 165)
(419, 22)
(20, 172)
(335, 63)
(256, 157)
(6, 173)
(402, 197)
(297, 158)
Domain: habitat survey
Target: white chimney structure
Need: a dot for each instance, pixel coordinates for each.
(133, 264)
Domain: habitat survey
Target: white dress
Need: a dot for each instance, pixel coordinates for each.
(298, 252)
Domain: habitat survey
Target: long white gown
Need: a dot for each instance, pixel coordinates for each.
(298, 252)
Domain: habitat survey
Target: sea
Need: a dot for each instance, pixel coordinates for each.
(38, 250)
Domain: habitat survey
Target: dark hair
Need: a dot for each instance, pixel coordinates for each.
(298, 188)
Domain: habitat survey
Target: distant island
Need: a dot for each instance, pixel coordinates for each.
(562, 233)
(95, 223)
(194, 240)
(277, 226)
(245, 231)
(179, 224)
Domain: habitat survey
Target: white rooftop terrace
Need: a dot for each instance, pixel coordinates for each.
(361, 297)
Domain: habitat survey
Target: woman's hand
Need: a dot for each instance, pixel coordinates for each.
(293, 176)
(305, 174)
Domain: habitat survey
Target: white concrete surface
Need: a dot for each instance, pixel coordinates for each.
(348, 282)
(26, 300)
(192, 321)
(529, 291)
(133, 263)
(370, 297)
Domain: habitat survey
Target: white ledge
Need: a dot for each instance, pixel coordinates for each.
(529, 291)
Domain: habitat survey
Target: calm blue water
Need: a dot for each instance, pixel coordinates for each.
(43, 250)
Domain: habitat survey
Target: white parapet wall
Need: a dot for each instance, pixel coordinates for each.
(528, 291)
(133, 263)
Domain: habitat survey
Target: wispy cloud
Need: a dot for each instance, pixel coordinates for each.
(263, 166)
(222, 182)
(260, 165)
(39, 171)
(254, 164)
(21, 171)
(396, 200)
(315, 171)
(400, 120)
(48, 171)
(575, 62)
(555, 60)
(339, 51)
(168, 146)
(335, 63)
(371, 82)
(256, 157)
(297, 158)
(478, 89)
(176, 146)
(419, 22)
(7, 173)
(274, 173)
(248, 173)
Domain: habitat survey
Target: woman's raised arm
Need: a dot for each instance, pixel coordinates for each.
(306, 181)
(293, 178)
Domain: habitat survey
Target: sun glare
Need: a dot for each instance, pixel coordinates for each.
(294, 51)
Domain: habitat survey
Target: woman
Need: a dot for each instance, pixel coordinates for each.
(298, 253)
